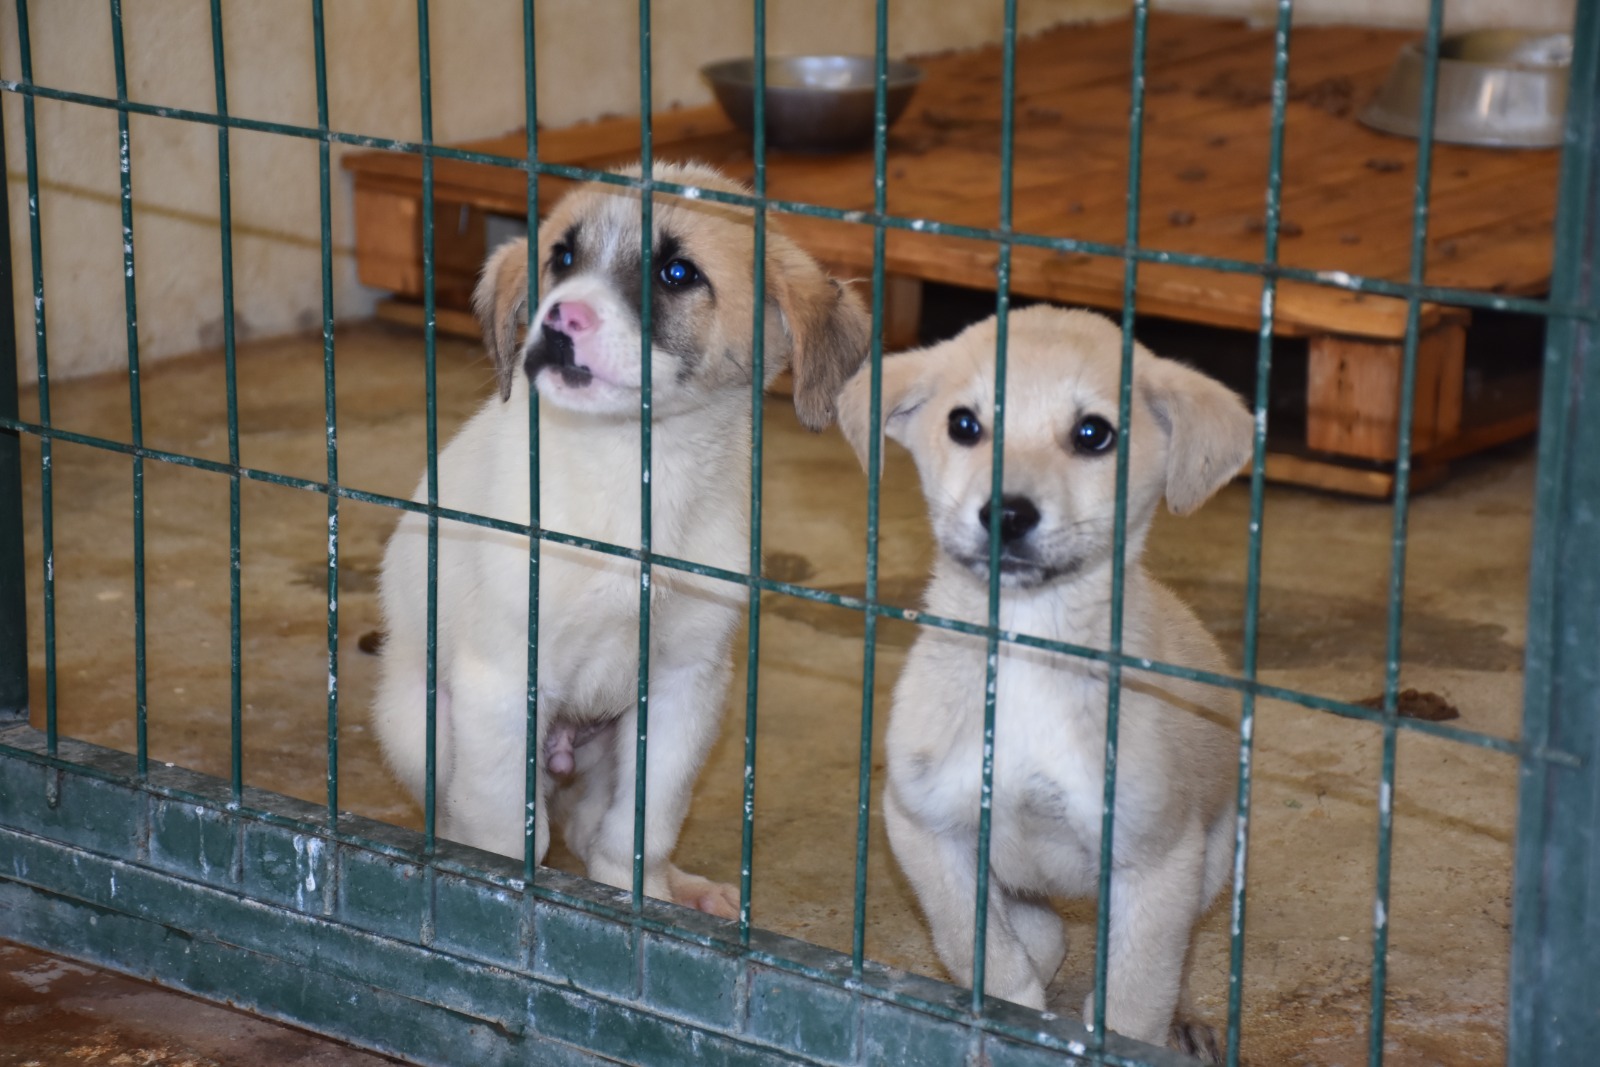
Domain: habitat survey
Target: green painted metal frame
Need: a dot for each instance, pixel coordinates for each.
(13, 561)
(297, 910)
(1555, 962)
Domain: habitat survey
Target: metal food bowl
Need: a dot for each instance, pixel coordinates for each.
(814, 103)
(1503, 88)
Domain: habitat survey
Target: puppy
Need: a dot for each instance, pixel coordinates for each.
(1172, 846)
(581, 354)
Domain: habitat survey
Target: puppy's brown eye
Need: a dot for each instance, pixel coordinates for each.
(965, 429)
(1093, 434)
(561, 257)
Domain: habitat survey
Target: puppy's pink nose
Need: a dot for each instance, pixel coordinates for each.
(572, 317)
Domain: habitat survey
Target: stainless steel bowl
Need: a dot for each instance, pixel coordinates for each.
(1504, 88)
(814, 103)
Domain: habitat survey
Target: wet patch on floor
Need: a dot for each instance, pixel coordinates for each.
(1303, 629)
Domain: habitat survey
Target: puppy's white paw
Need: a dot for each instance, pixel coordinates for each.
(1195, 1039)
(702, 894)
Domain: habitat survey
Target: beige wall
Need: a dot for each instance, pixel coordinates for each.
(587, 66)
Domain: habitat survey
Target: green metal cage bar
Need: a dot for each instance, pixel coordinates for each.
(869, 640)
(530, 833)
(430, 339)
(1556, 894)
(231, 376)
(1008, 93)
(1238, 904)
(758, 381)
(42, 376)
(135, 406)
(13, 560)
(329, 398)
(1397, 565)
(647, 231)
(1130, 281)
(1554, 760)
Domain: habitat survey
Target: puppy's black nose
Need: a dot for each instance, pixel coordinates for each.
(1017, 517)
(553, 348)
(556, 348)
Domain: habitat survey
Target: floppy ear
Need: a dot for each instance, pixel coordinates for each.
(906, 387)
(1208, 431)
(828, 329)
(500, 301)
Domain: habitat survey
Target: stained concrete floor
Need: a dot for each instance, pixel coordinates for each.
(55, 1012)
(1325, 575)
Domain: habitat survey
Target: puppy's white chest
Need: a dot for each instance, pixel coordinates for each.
(1048, 761)
(588, 601)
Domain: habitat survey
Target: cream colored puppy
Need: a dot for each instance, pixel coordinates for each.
(1172, 845)
(582, 354)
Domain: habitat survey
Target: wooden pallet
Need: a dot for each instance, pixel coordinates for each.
(1347, 199)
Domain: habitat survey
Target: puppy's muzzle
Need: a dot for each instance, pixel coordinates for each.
(555, 348)
(1018, 517)
(1020, 562)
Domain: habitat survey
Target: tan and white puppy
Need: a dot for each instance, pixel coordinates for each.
(1172, 845)
(582, 355)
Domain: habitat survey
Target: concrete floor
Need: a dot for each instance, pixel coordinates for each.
(54, 1011)
(1322, 630)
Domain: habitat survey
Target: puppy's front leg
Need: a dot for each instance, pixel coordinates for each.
(685, 704)
(1025, 942)
(1153, 909)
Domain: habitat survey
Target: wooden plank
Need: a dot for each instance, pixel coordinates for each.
(389, 244)
(1331, 477)
(388, 252)
(902, 311)
(450, 322)
(1353, 393)
(1308, 473)
(1479, 438)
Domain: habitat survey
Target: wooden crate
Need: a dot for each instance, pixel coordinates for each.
(1346, 200)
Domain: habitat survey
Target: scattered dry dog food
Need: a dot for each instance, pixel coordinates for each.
(1385, 166)
(1181, 218)
(1333, 95)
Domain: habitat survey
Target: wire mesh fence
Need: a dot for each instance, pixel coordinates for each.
(543, 923)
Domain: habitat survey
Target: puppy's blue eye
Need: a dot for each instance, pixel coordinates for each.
(678, 273)
(1093, 434)
(561, 257)
(965, 429)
